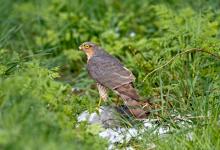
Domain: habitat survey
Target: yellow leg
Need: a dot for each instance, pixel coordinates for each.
(99, 104)
(100, 101)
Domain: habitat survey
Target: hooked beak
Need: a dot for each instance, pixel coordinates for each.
(80, 47)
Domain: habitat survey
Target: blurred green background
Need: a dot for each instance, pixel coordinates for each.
(40, 63)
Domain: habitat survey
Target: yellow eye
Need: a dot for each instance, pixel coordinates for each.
(86, 46)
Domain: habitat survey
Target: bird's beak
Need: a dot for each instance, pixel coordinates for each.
(80, 47)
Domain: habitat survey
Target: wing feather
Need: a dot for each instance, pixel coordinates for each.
(109, 72)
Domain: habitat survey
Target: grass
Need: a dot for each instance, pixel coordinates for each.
(158, 40)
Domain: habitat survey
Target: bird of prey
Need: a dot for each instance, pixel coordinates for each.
(110, 73)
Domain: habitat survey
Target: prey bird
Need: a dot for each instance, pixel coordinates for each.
(110, 73)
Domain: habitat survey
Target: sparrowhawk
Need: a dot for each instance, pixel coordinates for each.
(109, 73)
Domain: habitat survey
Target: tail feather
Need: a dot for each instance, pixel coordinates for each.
(132, 101)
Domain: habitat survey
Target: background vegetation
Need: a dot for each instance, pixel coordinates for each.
(40, 63)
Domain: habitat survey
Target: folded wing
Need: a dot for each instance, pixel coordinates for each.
(109, 72)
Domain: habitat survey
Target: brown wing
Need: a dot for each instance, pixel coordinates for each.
(127, 91)
(109, 72)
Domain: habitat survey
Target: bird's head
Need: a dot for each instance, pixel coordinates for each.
(89, 48)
